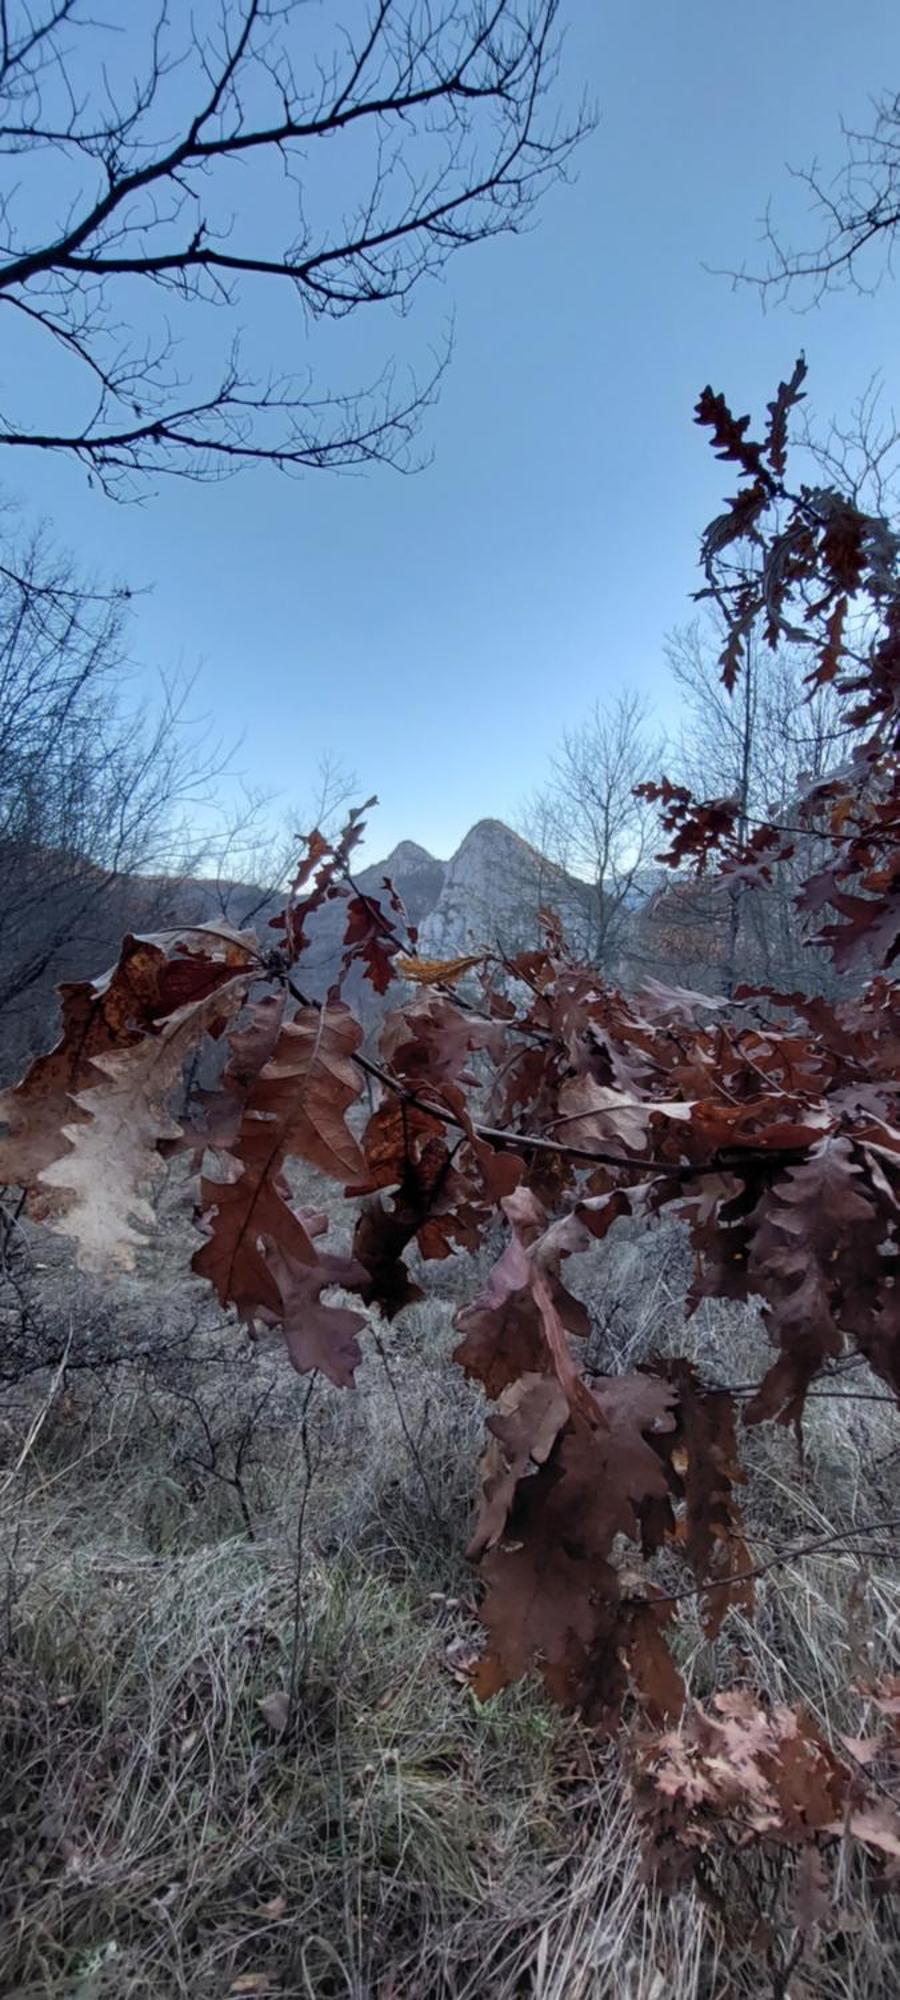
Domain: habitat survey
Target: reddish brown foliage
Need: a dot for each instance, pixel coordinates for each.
(749, 1772)
(702, 1460)
(812, 556)
(547, 1107)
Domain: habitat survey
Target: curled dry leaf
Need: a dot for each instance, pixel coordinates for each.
(750, 1770)
(437, 971)
(153, 978)
(531, 1414)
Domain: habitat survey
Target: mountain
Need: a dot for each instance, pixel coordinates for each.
(488, 893)
(417, 877)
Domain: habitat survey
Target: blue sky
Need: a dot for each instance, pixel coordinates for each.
(438, 632)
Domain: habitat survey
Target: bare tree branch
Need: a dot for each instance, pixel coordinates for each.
(599, 836)
(855, 218)
(200, 165)
(104, 807)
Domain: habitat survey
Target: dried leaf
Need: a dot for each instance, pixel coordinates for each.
(318, 1335)
(307, 1087)
(114, 1159)
(701, 1453)
(532, 1412)
(154, 976)
(436, 971)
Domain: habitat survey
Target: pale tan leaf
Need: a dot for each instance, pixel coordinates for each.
(592, 1114)
(109, 1173)
(876, 1826)
(152, 978)
(221, 940)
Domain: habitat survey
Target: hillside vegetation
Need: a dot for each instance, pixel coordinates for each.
(239, 1750)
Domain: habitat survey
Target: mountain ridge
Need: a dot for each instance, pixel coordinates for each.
(487, 894)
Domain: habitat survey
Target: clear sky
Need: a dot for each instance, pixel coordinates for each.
(438, 632)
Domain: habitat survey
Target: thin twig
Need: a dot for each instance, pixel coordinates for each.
(411, 1445)
(824, 1542)
(41, 1417)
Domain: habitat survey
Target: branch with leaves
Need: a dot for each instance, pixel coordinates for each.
(550, 1103)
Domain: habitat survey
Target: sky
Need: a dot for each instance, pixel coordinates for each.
(437, 633)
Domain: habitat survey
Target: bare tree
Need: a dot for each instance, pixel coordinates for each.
(205, 159)
(855, 213)
(760, 746)
(593, 829)
(255, 859)
(860, 455)
(94, 797)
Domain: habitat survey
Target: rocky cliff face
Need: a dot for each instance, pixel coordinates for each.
(491, 892)
(489, 888)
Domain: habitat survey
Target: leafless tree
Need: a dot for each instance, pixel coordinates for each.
(255, 851)
(215, 156)
(94, 796)
(759, 746)
(591, 826)
(860, 455)
(855, 217)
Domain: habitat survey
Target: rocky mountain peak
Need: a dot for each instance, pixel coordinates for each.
(487, 894)
(491, 834)
(488, 886)
(405, 857)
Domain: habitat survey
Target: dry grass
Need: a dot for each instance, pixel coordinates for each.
(166, 1830)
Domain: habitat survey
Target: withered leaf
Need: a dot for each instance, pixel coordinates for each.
(436, 971)
(531, 1414)
(703, 1467)
(318, 1335)
(114, 1157)
(307, 1087)
(553, 1598)
(153, 977)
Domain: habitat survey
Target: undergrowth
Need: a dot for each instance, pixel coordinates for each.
(239, 1751)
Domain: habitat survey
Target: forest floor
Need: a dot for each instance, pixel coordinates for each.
(239, 1753)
